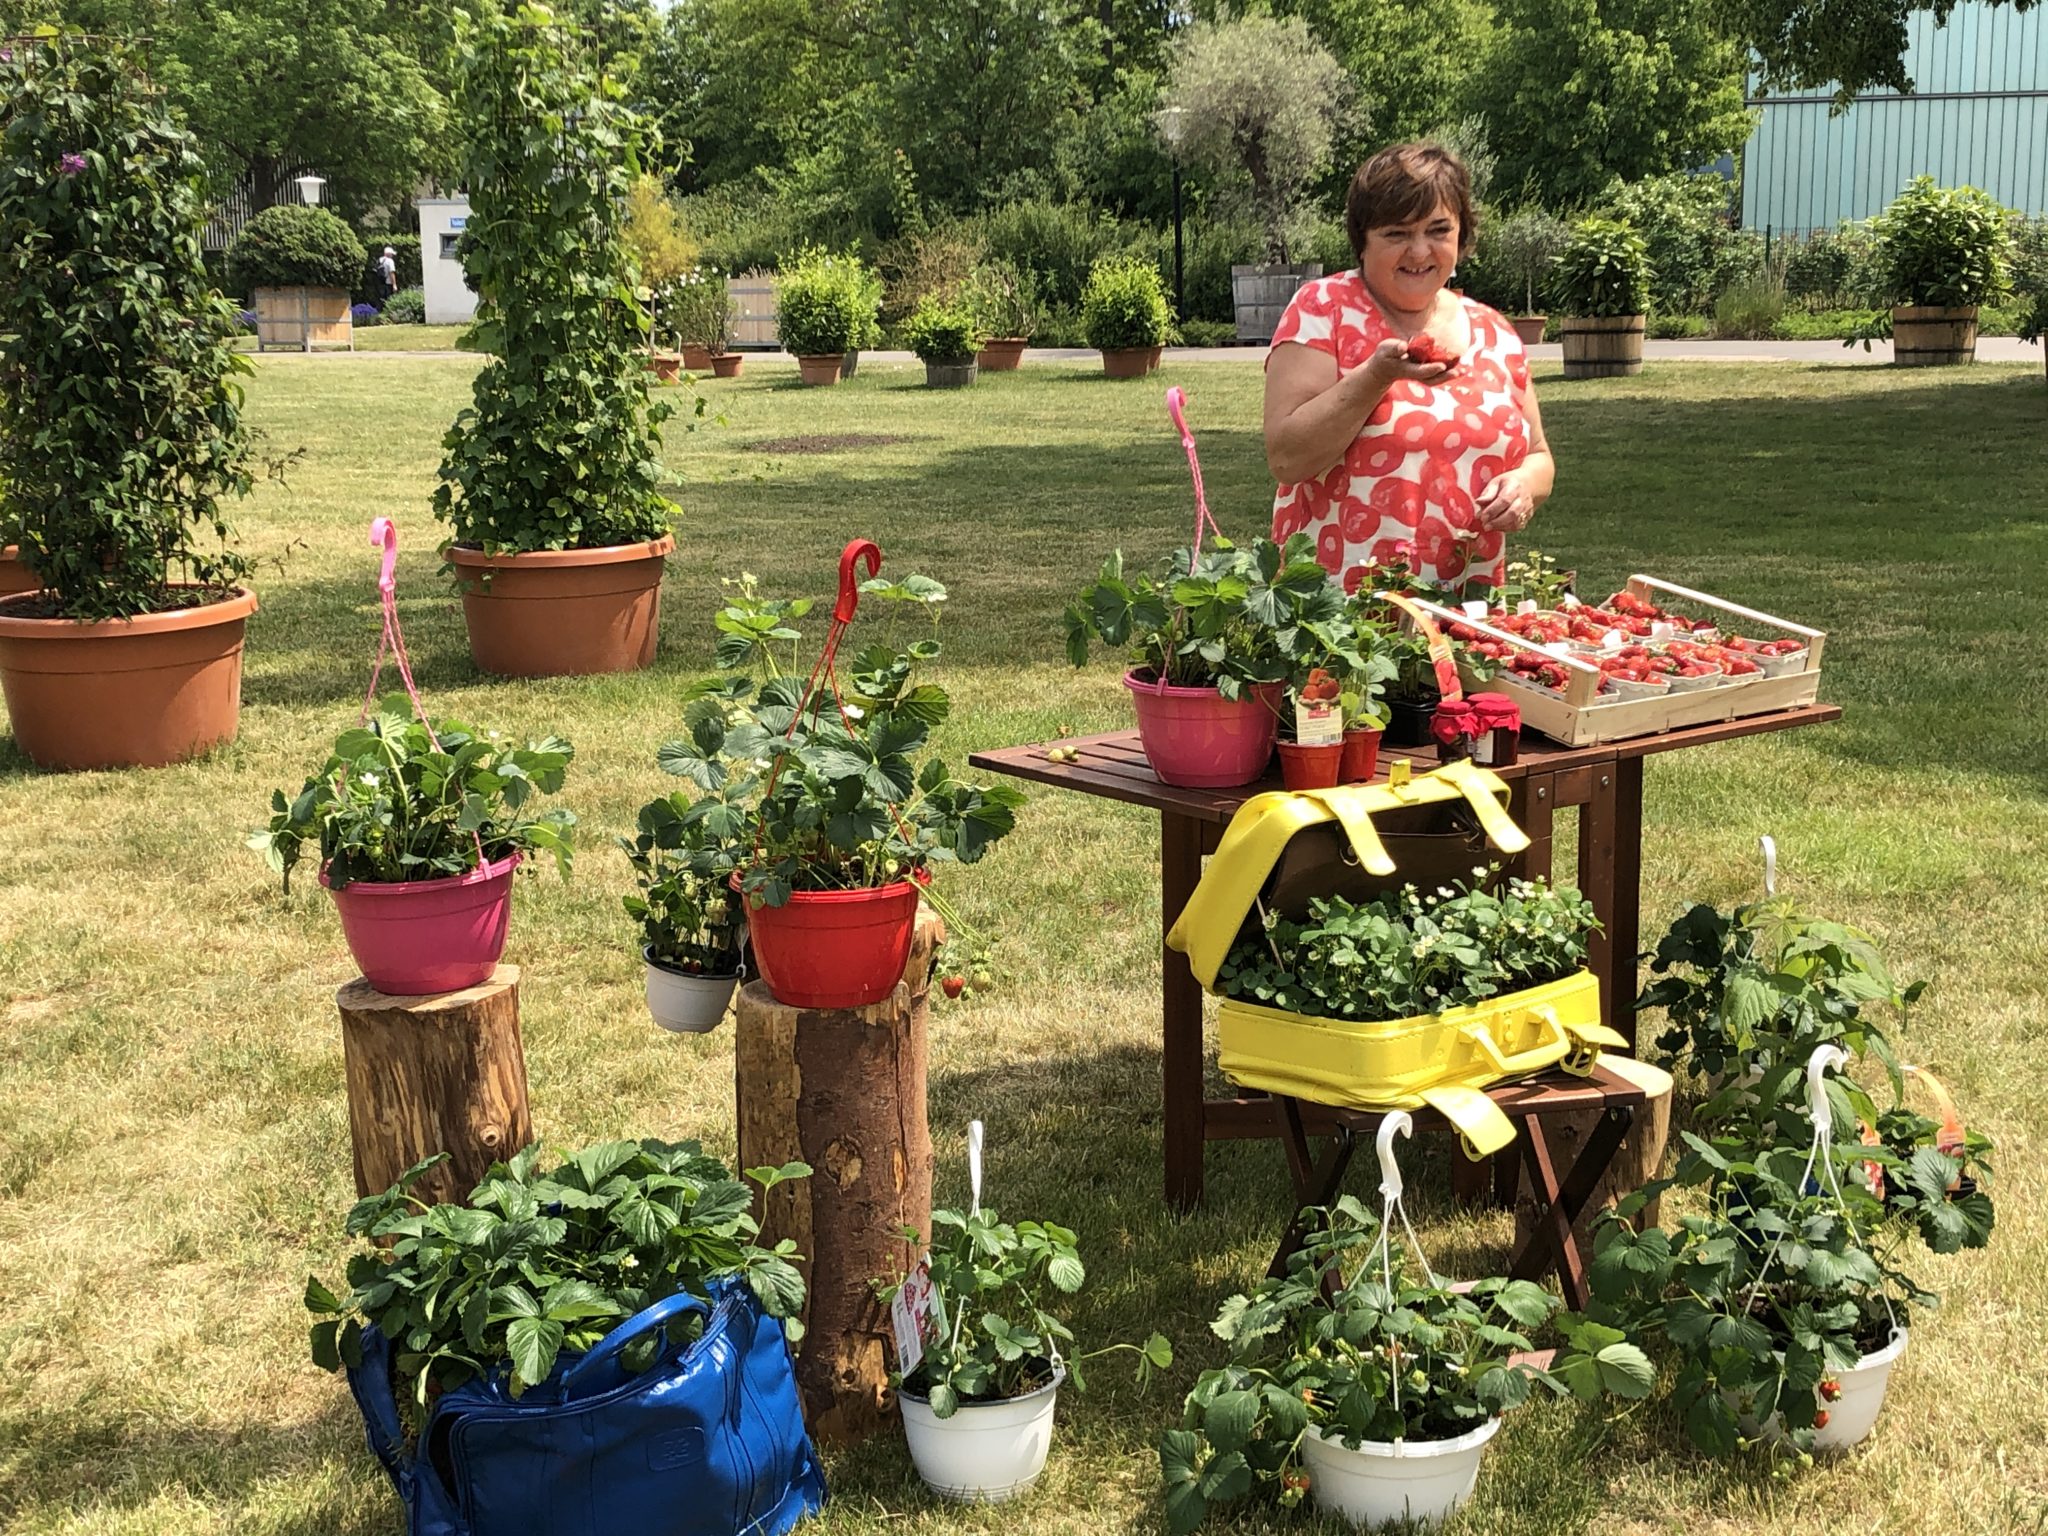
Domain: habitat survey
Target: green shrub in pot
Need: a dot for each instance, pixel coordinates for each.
(944, 333)
(1945, 247)
(1124, 306)
(292, 245)
(825, 303)
(1603, 271)
(1004, 300)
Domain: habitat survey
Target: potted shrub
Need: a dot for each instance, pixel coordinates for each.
(684, 854)
(1375, 1390)
(419, 829)
(297, 264)
(944, 337)
(822, 312)
(1125, 316)
(121, 434)
(853, 808)
(1520, 249)
(1208, 670)
(978, 1405)
(1601, 281)
(552, 481)
(694, 312)
(1005, 304)
(1942, 252)
(15, 576)
(663, 254)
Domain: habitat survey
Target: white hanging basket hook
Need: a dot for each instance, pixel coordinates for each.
(1397, 1123)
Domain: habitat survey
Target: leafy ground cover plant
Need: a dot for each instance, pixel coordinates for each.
(395, 801)
(1223, 617)
(1410, 952)
(998, 1284)
(544, 1261)
(1356, 1348)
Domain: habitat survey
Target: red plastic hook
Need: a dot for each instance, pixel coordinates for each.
(857, 552)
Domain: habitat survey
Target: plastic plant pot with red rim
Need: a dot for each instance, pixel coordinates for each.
(1197, 739)
(1361, 754)
(1311, 767)
(417, 937)
(835, 949)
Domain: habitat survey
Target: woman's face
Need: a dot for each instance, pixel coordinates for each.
(1405, 264)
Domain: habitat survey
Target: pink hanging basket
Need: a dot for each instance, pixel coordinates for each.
(421, 936)
(1197, 739)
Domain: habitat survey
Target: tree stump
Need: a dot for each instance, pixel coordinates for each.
(445, 1073)
(844, 1091)
(1639, 1160)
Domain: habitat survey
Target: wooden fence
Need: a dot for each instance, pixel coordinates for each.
(754, 329)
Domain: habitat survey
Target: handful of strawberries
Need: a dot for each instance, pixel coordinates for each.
(1425, 348)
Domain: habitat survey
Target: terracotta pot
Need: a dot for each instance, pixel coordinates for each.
(1001, 355)
(727, 365)
(1361, 754)
(1152, 356)
(667, 366)
(1127, 362)
(1305, 767)
(124, 693)
(820, 370)
(1530, 328)
(562, 612)
(14, 576)
(695, 358)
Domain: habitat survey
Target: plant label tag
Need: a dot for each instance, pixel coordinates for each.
(1569, 600)
(1662, 629)
(918, 1313)
(1558, 648)
(1318, 722)
(1613, 640)
(1526, 605)
(1475, 610)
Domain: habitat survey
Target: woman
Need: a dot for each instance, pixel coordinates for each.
(1373, 450)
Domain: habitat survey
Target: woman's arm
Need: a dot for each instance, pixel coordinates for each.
(1313, 413)
(1511, 499)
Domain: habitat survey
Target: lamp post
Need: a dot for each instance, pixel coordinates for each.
(1173, 123)
(309, 187)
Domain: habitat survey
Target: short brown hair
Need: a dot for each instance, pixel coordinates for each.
(1406, 182)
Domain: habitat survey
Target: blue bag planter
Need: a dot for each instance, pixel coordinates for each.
(707, 1441)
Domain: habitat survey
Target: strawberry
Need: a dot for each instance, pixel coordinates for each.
(1425, 348)
(952, 986)
(1820, 1419)
(1830, 1389)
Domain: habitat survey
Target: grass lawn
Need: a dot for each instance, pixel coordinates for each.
(173, 1133)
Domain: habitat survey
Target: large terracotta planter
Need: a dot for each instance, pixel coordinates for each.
(562, 612)
(1927, 336)
(1001, 354)
(726, 365)
(820, 370)
(1530, 328)
(124, 693)
(1127, 362)
(14, 576)
(1602, 346)
(667, 366)
(695, 358)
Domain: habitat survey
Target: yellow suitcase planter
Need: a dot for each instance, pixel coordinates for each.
(1443, 1060)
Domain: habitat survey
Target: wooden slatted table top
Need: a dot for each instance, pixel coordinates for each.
(1113, 766)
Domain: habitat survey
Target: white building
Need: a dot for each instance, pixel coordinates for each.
(450, 299)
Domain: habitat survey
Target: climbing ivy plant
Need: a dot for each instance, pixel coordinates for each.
(560, 448)
(121, 432)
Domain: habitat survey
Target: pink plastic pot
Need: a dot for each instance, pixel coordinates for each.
(422, 936)
(835, 949)
(1196, 738)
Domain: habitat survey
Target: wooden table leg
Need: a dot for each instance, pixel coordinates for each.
(1599, 838)
(1554, 1242)
(1624, 936)
(1315, 1183)
(1180, 870)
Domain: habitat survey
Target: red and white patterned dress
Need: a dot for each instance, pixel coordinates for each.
(1427, 450)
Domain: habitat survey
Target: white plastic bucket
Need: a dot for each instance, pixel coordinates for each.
(687, 1004)
(1386, 1481)
(986, 1452)
(1853, 1415)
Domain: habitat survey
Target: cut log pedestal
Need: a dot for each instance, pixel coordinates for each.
(445, 1073)
(844, 1091)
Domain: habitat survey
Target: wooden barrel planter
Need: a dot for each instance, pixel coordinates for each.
(300, 319)
(1929, 336)
(1262, 294)
(1602, 346)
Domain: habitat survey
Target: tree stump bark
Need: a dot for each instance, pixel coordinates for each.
(1639, 1160)
(445, 1073)
(844, 1091)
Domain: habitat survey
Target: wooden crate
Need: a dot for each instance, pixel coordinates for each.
(301, 319)
(1578, 718)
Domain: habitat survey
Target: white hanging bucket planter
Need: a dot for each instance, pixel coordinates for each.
(986, 1452)
(1384, 1482)
(686, 1003)
(1853, 1415)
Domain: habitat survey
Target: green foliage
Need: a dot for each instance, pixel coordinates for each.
(1003, 300)
(1057, 243)
(408, 306)
(655, 236)
(542, 1263)
(1263, 100)
(1124, 305)
(997, 1284)
(1408, 952)
(1346, 1345)
(1695, 252)
(1821, 270)
(1846, 46)
(292, 246)
(1603, 270)
(561, 447)
(684, 853)
(849, 799)
(1517, 249)
(943, 333)
(1946, 246)
(1579, 92)
(826, 303)
(695, 307)
(121, 430)
(396, 802)
(1750, 310)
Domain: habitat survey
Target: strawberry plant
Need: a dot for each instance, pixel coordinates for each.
(542, 1262)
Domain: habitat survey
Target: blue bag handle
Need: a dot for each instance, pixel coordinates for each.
(607, 1348)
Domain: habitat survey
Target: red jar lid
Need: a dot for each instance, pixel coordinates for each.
(1495, 711)
(1453, 719)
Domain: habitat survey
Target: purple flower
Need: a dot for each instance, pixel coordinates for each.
(71, 165)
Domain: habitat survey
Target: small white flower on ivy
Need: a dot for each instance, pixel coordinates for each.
(370, 779)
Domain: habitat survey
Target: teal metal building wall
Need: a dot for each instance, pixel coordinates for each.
(1978, 115)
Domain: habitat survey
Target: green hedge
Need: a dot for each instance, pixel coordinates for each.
(293, 246)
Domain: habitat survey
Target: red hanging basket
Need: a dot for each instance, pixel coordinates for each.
(835, 949)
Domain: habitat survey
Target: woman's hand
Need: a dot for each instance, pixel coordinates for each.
(1505, 504)
(1389, 363)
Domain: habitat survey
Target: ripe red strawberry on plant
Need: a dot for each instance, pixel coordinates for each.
(953, 986)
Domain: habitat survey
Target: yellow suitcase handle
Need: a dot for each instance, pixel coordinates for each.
(1553, 1046)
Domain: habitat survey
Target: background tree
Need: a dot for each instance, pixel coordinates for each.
(1579, 92)
(1264, 99)
(1853, 45)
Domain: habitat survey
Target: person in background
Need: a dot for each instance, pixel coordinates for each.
(1375, 448)
(387, 267)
